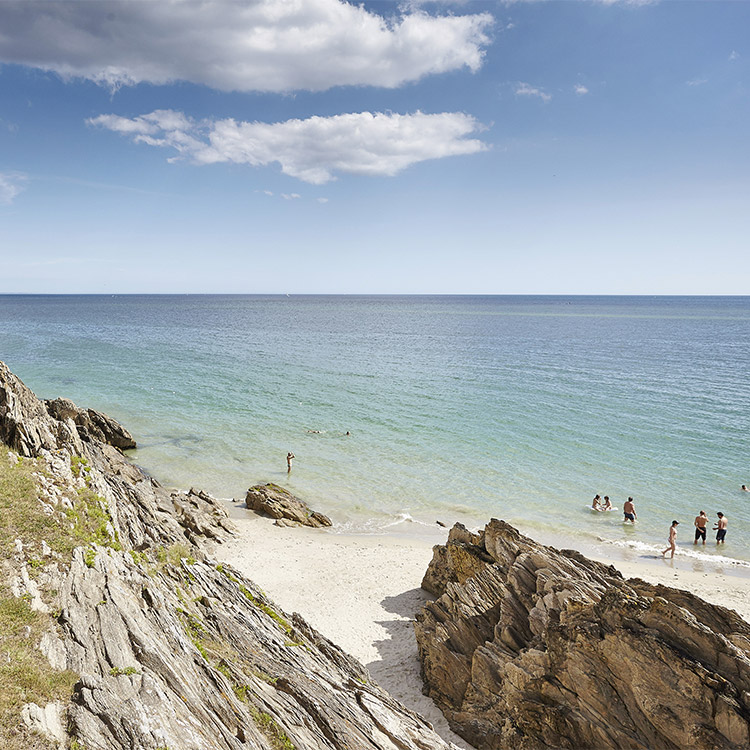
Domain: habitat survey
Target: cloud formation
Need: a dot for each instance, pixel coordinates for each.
(255, 45)
(524, 89)
(580, 89)
(312, 150)
(11, 184)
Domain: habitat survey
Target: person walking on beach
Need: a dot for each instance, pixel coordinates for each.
(721, 528)
(672, 538)
(700, 527)
(289, 457)
(628, 510)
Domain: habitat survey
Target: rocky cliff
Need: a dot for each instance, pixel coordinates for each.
(530, 647)
(118, 630)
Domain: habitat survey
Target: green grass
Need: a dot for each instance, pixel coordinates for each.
(116, 671)
(22, 516)
(175, 554)
(79, 465)
(25, 674)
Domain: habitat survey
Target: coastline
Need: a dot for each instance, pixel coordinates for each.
(363, 591)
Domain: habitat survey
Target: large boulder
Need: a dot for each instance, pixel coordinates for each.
(276, 502)
(530, 647)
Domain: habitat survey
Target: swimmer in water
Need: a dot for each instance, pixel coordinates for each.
(700, 526)
(607, 504)
(596, 503)
(628, 510)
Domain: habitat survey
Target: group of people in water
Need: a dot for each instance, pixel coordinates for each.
(700, 522)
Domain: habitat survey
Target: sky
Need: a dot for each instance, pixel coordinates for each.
(320, 146)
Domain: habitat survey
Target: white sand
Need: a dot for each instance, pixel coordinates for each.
(362, 592)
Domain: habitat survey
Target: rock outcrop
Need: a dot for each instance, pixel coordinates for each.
(288, 510)
(91, 424)
(530, 647)
(160, 647)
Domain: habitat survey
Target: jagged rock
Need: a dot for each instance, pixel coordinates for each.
(171, 649)
(91, 423)
(272, 500)
(200, 514)
(530, 647)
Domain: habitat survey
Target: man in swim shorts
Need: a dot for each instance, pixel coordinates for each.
(721, 528)
(700, 527)
(628, 510)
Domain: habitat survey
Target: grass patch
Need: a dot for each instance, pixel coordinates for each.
(25, 674)
(83, 519)
(116, 671)
(79, 465)
(267, 724)
(175, 554)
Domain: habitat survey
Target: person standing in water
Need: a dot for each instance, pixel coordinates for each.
(700, 527)
(721, 528)
(289, 457)
(672, 538)
(628, 510)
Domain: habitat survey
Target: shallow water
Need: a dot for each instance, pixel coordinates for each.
(459, 408)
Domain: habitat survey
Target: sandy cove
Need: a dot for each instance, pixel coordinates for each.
(362, 592)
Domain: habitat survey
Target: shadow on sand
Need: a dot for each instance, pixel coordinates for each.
(398, 670)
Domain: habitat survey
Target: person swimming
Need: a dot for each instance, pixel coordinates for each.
(628, 510)
(596, 503)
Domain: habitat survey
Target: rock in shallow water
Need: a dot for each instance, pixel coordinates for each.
(531, 647)
(276, 502)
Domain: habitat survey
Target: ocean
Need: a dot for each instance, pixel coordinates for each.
(458, 407)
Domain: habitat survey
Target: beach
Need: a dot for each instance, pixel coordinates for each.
(363, 591)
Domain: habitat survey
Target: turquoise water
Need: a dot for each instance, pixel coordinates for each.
(459, 408)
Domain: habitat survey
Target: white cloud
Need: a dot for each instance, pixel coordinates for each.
(697, 81)
(524, 89)
(11, 184)
(312, 150)
(322, 200)
(580, 89)
(733, 55)
(290, 196)
(255, 45)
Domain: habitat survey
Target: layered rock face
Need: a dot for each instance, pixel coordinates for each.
(166, 648)
(530, 647)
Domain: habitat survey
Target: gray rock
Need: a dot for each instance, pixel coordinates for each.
(91, 424)
(171, 649)
(276, 502)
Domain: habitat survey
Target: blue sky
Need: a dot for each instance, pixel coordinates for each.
(317, 146)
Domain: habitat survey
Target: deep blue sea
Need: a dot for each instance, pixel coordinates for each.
(459, 408)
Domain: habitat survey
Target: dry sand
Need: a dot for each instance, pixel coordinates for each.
(362, 592)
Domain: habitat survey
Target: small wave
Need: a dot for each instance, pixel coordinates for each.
(405, 518)
(681, 551)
